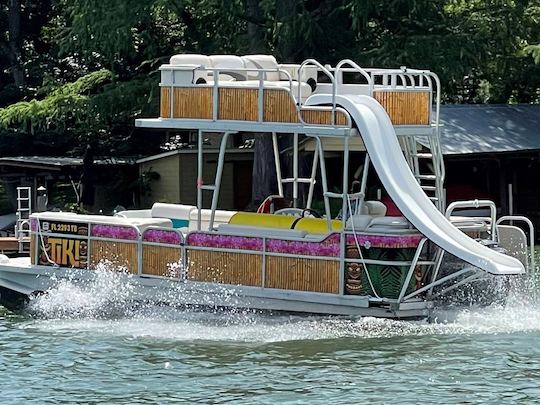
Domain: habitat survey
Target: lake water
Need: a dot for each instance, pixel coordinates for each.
(83, 345)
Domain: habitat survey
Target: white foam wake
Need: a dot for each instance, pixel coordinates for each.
(106, 306)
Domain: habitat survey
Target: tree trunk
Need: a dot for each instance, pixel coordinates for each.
(285, 45)
(14, 42)
(264, 172)
(255, 26)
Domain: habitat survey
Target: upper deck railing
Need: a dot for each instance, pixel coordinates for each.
(279, 94)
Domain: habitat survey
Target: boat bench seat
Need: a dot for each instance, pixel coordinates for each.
(379, 224)
(140, 223)
(190, 69)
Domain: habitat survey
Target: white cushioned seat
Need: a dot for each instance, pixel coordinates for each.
(374, 208)
(143, 223)
(261, 62)
(177, 213)
(390, 225)
(221, 217)
(358, 222)
(134, 214)
(190, 60)
(230, 63)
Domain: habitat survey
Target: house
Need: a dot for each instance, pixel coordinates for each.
(61, 177)
(171, 177)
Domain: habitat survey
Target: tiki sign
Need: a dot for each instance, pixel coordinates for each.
(64, 244)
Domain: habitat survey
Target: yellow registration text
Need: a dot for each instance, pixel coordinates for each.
(71, 228)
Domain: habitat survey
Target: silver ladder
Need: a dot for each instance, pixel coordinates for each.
(424, 156)
(24, 209)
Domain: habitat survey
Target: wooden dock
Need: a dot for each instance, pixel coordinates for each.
(10, 244)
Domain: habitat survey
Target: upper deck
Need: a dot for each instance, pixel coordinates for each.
(256, 93)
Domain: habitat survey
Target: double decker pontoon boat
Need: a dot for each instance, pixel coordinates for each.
(362, 262)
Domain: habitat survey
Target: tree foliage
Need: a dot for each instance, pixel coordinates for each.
(89, 67)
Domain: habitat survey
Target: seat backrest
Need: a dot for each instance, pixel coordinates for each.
(177, 213)
(230, 63)
(220, 217)
(261, 62)
(191, 59)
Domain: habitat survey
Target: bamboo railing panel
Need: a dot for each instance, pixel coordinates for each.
(165, 103)
(405, 107)
(225, 267)
(33, 249)
(122, 254)
(279, 106)
(238, 104)
(157, 260)
(320, 117)
(193, 102)
(293, 273)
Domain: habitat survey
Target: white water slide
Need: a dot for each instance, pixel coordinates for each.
(387, 158)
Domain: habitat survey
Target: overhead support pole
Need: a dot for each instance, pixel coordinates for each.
(217, 182)
(295, 170)
(324, 181)
(199, 177)
(345, 198)
(313, 175)
(277, 164)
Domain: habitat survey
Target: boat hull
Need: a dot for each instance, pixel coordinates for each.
(20, 280)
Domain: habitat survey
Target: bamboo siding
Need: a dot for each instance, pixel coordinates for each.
(291, 273)
(225, 267)
(119, 253)
(33, 249)
(192, 102)
(279, 106)
(238, 104)
(165, 103)
(156, 260)
(241, 104)
(405, 107)
(321, 117)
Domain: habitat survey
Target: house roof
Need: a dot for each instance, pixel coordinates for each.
(187, 151)
(484, 128)
(57, 163)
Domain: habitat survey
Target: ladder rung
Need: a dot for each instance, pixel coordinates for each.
(434, 198)
(299, 180)
(423, 155)
(426, 176)
(429, 188)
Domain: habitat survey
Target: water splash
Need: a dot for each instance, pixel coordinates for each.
(108, 294)
(106, 305)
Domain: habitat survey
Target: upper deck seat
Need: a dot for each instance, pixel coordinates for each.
(233, 72)
(193, 60)
(233, 67)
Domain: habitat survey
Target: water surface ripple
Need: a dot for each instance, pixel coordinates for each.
(79, 344)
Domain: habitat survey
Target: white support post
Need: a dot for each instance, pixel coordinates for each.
(345, 193)
(313, 175)
(217, 182)
(199, 177)
(295, 170)
(324, 184)
(277, 162)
